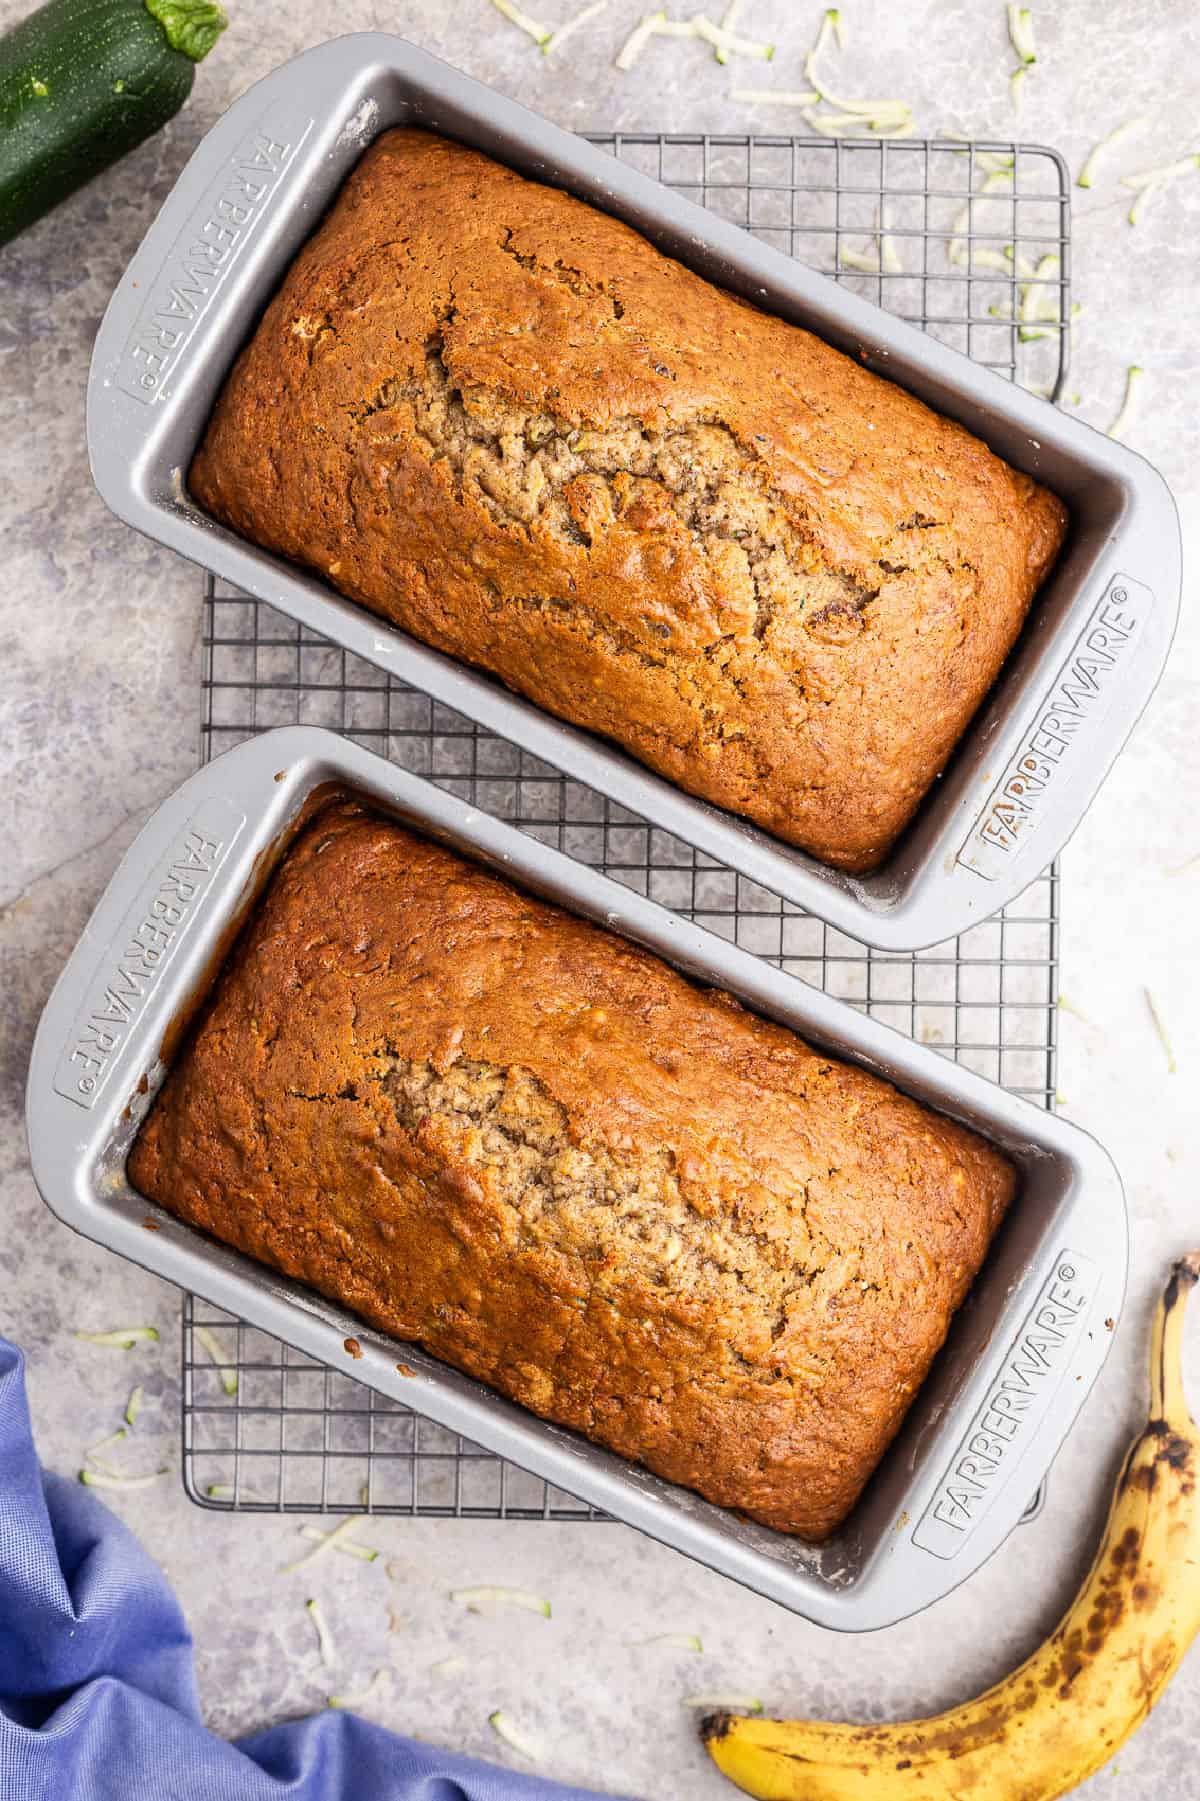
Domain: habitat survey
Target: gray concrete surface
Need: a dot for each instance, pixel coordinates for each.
(99, 671)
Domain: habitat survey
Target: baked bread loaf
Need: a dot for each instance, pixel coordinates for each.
(506, 422)
(488, 1127)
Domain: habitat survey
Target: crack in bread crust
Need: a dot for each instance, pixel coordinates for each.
(523, 466)
(486, 1126)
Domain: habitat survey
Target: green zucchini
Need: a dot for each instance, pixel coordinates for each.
(84, 81)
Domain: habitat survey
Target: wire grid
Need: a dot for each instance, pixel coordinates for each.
(294, 1435)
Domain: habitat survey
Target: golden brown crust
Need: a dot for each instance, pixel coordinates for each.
(505, 421)
(641, 1211)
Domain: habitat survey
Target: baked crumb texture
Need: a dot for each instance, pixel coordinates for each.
(505, 421)
(488, 1127)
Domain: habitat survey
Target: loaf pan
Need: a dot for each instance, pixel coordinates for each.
(1022, 1353)
(1038, 750)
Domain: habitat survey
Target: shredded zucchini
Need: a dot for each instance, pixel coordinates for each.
(725, 1703)
(1099, 151)
(890, 112)
(728, 21)
(324, 1636)
(992, 184)
(1155, 178)
(514, 1737)
(337, 1540)
(987, 160)
(1020, 32)
(1033, 301)
(122, 1338)
(208, 1342)
(1157, 1018)
(889, 257)
(638, 38)
(485, 1596)
(836, 125)
(1139, 201)
(349, 1547)
(827, 32)
(1134, 377)
(449, 1666)
(561, 33)
(92, 1454)
(958, 251)
(541, 34)
(891, 118)
(1153, 181)
(381, 1679)
(111, 1479)
(726, 41)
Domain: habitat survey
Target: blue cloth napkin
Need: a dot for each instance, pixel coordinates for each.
(98, 1694)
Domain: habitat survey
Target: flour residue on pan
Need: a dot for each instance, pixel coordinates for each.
(360, 126)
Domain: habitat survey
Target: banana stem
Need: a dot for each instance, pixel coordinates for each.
(1168, 1401)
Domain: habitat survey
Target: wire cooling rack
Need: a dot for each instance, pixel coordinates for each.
(968, 241)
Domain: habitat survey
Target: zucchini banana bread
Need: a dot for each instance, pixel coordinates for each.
(491, 1128)
(506, 422)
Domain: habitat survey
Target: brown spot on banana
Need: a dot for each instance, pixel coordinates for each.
(1052, 1723)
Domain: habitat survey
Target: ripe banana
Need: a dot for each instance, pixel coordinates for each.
(1065, 1712)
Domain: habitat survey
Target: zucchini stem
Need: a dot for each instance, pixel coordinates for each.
(191, 26)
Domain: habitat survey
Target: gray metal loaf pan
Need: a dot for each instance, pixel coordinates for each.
(1038, 750)
(1022, 1353)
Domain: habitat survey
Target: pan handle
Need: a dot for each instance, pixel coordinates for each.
(1074, 723)
(251, 193)
(997, 1445)
(148, 949)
